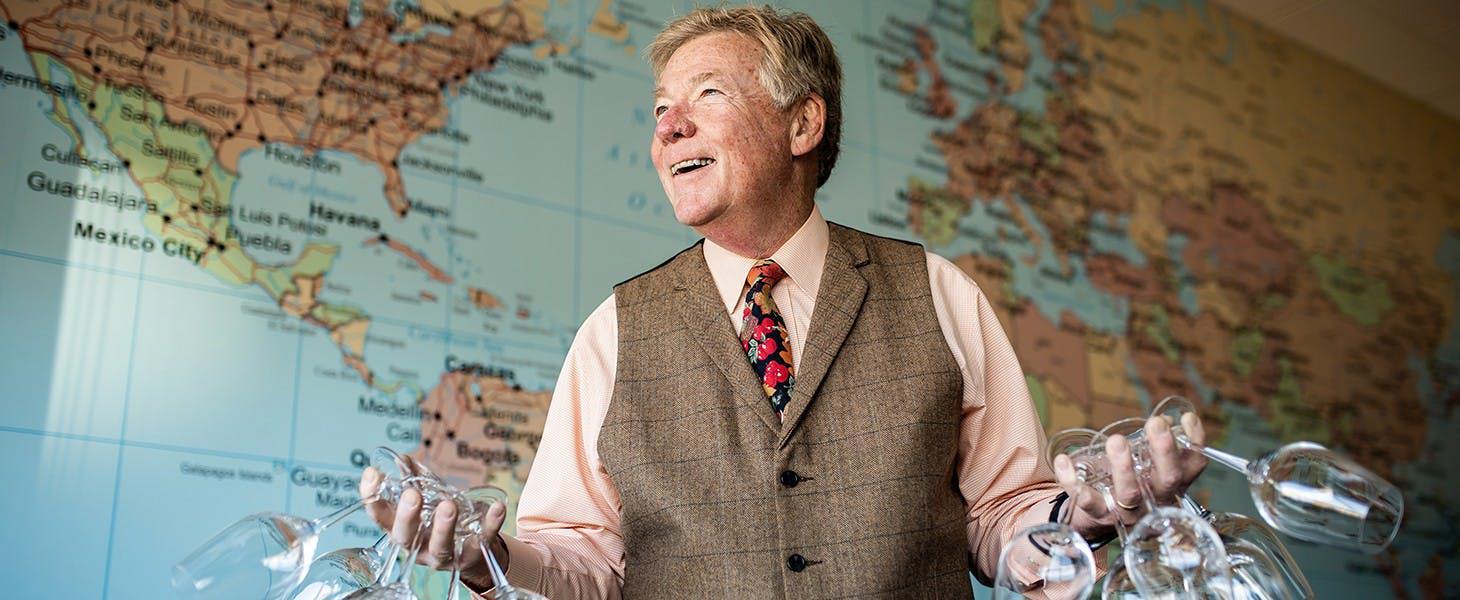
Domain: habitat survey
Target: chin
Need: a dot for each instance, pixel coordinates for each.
(694, 212)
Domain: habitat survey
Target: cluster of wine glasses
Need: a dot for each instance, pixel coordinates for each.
(271, 555)
(1182, 550)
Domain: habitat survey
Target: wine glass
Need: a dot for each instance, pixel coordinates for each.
(1134, 431)
(393, 586)
(1118, 585)
(1239, 527)
(345, 570)
(1049, 558)
(1255, 574)
(1310, 492)
(269, 552)
(1173, 552)
(1170, 551)
(482, 498)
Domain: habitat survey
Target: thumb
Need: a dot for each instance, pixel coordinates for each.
(1064, 474)
(492, 521)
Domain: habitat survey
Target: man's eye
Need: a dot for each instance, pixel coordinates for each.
(659, 110)
(709, 91)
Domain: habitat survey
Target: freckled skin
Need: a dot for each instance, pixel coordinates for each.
(710, 104)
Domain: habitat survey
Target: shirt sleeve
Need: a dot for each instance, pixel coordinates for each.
(1006, 483)
(568, 542)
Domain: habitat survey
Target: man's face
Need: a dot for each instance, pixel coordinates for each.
(721, 147)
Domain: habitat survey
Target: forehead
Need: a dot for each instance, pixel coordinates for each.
(721, 54)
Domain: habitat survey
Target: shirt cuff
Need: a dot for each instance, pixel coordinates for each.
(524, 568)
(524, 565)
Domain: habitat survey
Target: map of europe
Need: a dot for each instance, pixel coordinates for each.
(243, 242)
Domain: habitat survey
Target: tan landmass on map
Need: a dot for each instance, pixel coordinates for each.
(939, 100)
(608, 25)
(478, 427)
(1273, 300)
(181, 89)
(483, 299)
(292, 72)
(420, 260)
(1061, 351)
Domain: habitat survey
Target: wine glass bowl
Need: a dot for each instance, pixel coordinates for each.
(1171, 550)
(1050, 559)
(1238, 527)
(1314, 494)
(264, 551)
(1310, 492)
(345, 570)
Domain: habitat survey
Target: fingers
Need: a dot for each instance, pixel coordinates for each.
(1124, 486)
(441, 549)
(1084, 501)
(496, 515)
(1167, 478)
(1064, 474)
(1192, 461)
(380, 511)
(1191, 424)
(407, 519)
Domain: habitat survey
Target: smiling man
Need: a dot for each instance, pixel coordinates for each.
(789, 408)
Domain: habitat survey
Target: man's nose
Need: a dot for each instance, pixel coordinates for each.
(673, 125)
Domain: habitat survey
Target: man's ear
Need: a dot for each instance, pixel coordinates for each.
(808, 124)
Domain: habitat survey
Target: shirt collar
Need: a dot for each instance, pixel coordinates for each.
(803, 257)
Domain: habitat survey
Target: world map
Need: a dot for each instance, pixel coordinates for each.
(246, 241)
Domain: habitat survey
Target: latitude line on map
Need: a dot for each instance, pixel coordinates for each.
(161, 447)
(385, 320)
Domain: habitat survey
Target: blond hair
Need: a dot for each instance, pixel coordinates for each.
(799, 60)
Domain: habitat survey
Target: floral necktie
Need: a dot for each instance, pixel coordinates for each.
(764, 336)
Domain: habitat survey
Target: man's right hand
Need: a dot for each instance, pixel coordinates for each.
(438, 549)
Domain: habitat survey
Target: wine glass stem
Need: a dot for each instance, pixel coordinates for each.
(1195, 507)
(1109, 497)
(329, 520)
(451, 593)
(1226, 459)
(499, 579)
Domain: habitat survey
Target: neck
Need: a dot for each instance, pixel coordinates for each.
(759, 239)
(760, 235)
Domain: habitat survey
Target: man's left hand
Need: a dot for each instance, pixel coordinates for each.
(1172, 470)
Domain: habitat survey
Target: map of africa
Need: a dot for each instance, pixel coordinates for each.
(243, 242)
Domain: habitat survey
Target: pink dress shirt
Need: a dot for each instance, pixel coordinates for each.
(568, 542)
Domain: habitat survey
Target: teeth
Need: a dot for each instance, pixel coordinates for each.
(680, 166)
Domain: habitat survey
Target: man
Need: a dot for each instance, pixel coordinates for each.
(790, 408)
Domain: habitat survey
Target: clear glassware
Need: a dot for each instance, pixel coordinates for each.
(481, 498)
(1174, 553)
(1048, 559)
(1118, 585)
(1170, 551)
(1234, 527)
(264, 555)
(1310, 492)
(396, 586)
(1134, 431)
(1255, 575)
(342, 571)
(1089, 461)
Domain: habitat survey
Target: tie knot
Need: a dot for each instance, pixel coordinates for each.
(766, 271)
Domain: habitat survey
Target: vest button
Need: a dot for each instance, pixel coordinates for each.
(796, 563)
(790, 478)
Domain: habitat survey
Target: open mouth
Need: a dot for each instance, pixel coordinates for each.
(693, 164)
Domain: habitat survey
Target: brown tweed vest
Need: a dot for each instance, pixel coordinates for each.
(853, 495)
